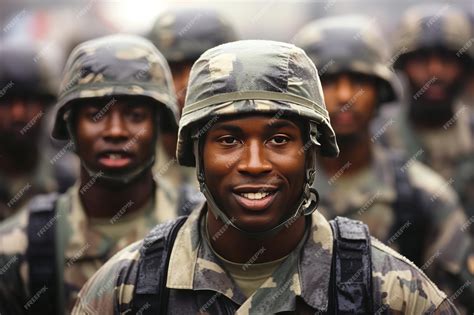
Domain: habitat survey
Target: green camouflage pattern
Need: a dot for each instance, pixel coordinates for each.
(183, 34)
(349, 43)
(23, 69)
(253, 76)
(195, 272)
(112, 66)
(87, 247)
(433, 25)
(369, 196)
(456, 136)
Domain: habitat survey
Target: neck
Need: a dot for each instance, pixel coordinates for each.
(239, 248)
(102, 199)
(355, 155)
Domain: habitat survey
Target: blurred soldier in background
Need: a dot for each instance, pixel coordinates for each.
(398, 198)
(28, 84)
(433, 55)
(253, 123)
(182, 35)
(115, 98)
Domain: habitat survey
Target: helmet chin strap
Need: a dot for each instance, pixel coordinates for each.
(307, 204)
(123, 178)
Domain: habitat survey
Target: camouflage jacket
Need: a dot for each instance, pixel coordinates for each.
(442, 149)
(199, 283)
(85, 249)
(47, 177)
(446, 249)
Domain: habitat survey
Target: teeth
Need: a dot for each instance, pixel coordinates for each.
(115, 156)
(255, 196)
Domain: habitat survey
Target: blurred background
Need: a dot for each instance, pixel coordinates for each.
(59, 25)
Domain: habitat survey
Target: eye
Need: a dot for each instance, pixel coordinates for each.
(137, 114)
(279, 140)
(228, 140)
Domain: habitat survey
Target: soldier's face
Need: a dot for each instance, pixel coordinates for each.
(254, 167)
(351, 100)
(181, 71)
(116, 134)
(21, 119)
(434, 76)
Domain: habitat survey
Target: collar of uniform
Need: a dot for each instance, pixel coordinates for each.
(85, 242)
(304, 273)
(362, 195)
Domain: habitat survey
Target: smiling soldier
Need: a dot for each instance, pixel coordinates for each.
(253, 122)
(116, 94)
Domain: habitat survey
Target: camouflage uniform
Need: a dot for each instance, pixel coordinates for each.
(23, 74)
(182, 35)
(255, 77)
(427, 27)
(106, 67)
(375, 194)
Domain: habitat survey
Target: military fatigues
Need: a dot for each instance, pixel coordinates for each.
(88, 244)
(199, 283)
(445, 149)
(400, 199)
(108, 67)
(23, 74)
(272, 78)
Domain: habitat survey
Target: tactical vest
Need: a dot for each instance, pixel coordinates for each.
(44, 251)
(350, 290)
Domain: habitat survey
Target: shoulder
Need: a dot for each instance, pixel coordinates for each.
(426, 179)
(401, 286)
(13, 234)
(112, 283)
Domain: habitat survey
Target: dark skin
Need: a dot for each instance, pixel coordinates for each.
(254, 154)
(115, 141)
(351, 100)
(19, 141)
(435, 78)
(180, 72)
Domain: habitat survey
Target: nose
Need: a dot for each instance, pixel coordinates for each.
(435, 65)
(18, 110)
(254, 160)
(344, 90)
(115, 127)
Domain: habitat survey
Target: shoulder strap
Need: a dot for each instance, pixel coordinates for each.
(151, 295)
(351, 273)
(408, 207)
(41, 255)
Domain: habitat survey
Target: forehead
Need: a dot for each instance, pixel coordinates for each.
(116, 101)
(263, 121)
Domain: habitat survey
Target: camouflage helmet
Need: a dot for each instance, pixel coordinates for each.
(24, 70)
(349, 43)
(116, 65)
(184, 34)
(432, 26)
(254, 76)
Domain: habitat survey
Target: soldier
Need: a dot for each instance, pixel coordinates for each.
(253, 121)
(432, 53)
(27, 89)
(115, 98)
(182, 35)
(398, 198)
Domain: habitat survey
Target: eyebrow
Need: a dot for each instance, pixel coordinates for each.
(280, 123)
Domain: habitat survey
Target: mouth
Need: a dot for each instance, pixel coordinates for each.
(255, 199)
(115, 159)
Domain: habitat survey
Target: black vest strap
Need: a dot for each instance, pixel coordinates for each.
(151, 295)
(410, 213)
(351, 279)
(41, 255)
